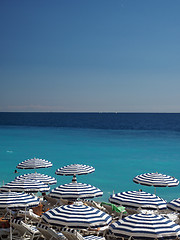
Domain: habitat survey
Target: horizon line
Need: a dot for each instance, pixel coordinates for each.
(115, 112)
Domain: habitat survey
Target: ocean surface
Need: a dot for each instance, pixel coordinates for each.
(119, 146)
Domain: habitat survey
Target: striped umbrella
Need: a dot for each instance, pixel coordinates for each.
(93, 237)
(174, 205)
(145, 226)
(25, 185)
(38, 177)
(138, 199)
(77, 216)
(17, 200)
(75, 190)
(34, 163)
(156, 180)
(74, 169)
(13, 200)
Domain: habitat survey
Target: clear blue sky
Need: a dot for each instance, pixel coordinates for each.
(90, 55)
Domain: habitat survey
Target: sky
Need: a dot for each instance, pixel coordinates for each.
(90, 56)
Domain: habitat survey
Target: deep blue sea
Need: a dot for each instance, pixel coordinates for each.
(119, 146)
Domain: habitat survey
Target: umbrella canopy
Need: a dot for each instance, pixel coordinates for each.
(77, 216)
(75, 169)
(156, 180)
(174, 205)
(138, 199)
(93, 237)
(17, 200)
(13, 200)
(145, 226)
(75, 190)
(25, 185)
(34, 163)
(38, 177)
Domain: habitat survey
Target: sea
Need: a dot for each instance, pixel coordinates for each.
(118, 145)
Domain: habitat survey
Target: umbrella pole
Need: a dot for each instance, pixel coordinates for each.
(10, 225)
(155, 190)
(74, 179)
(25, 214)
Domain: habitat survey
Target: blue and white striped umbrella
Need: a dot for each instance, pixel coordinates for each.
(138, 199)
(38, 177)
(156, 180)
(93, 237)
(174, 205)
(145, 226)
(77, 216)
(76, 190)
(25, 185)
(34, 163)
(75, 169)
(14, 200)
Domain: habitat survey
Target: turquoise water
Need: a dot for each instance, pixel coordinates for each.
(117, 155)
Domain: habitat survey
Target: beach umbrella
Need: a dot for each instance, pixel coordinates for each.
(77, 215)
(25, 185)
(174, 205)
(156, 180)
(145, 226)
(138, 199)
(34, 163)
(38, 177)
(76, 190)
(74, 169)
(13, 200)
